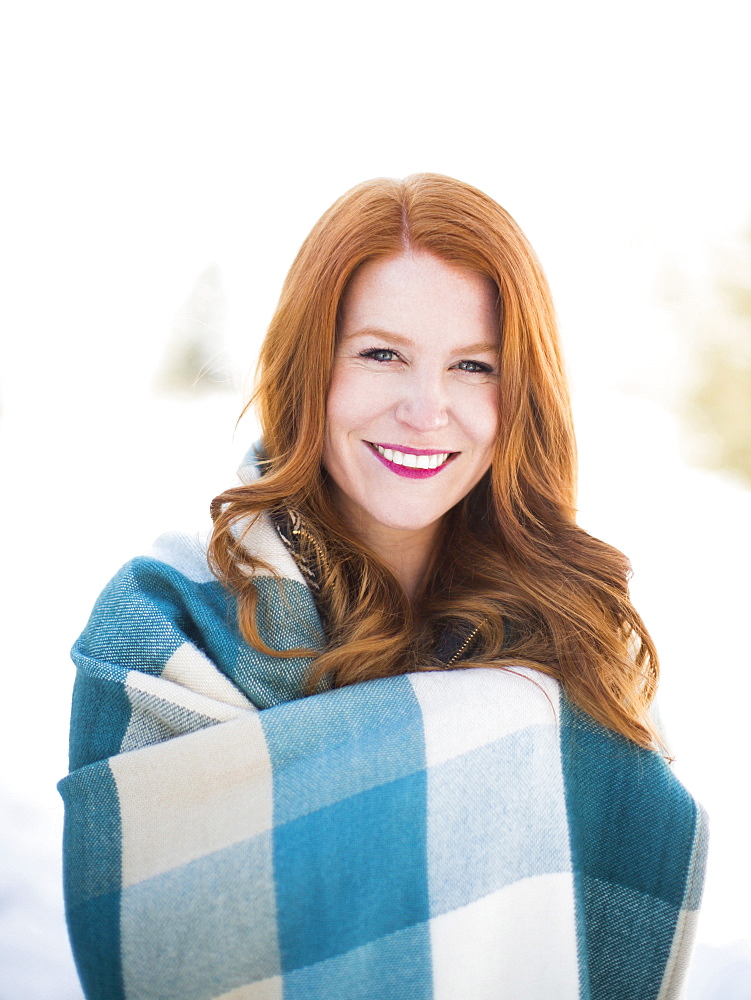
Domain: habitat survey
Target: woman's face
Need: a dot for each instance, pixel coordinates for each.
(412, 411)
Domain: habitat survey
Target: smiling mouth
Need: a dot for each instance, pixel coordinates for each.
(411, 464)
(412, 461)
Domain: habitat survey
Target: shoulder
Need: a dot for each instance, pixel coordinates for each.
(160, 586)
(171, 591)
(165, 607)
(175, 571)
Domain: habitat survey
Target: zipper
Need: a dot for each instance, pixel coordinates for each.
(463, 646)
(319, 552)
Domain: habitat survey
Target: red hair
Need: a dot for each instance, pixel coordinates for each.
(539, 590)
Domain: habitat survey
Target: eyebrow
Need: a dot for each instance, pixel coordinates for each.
(397, 338)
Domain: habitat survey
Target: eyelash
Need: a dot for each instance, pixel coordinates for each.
(372, 351)
(481, 369)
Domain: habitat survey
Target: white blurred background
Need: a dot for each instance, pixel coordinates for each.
(162, 163)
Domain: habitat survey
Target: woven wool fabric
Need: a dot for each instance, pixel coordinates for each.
(464, 833)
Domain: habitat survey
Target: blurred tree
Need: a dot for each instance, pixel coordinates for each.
(718, 403)
(195, 359)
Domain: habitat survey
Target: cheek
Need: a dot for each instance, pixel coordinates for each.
(341, 409)
(353, 401)
(343, 417)
(484, 416)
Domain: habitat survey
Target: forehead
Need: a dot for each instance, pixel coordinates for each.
(415, 292)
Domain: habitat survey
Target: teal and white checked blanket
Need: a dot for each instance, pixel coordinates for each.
(444, 835)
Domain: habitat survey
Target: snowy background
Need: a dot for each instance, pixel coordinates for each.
(162, 164)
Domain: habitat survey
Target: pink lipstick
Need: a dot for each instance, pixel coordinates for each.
(411, 463)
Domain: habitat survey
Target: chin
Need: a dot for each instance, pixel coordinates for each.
(403, 521)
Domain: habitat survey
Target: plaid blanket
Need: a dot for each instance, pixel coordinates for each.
(464, 833)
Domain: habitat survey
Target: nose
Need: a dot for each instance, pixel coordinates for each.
(424, 405)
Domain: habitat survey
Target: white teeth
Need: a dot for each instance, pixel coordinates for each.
(413, 461)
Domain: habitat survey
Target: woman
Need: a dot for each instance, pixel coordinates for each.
(440, 831)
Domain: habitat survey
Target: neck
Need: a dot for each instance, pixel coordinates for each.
(407, 552)
(408, 555)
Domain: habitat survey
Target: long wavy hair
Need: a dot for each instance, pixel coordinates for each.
(537, 590)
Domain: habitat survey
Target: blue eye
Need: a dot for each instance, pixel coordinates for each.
(377, 354)
(475, 366)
